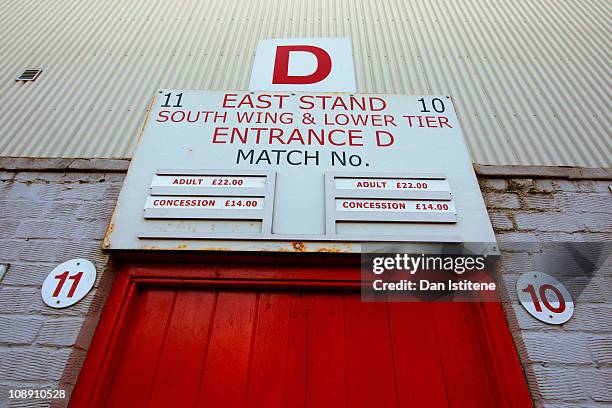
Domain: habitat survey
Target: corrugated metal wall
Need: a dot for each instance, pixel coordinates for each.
(530, 79)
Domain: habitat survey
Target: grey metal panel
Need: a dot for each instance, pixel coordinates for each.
(311, 239)
(384, 174)
(405, 194)
(267, 190)
(267, 193)
(333, 216)
(221, 191)
(391, 217)
(530, 80)
(191, 213)
(208, 172)
(422, 195)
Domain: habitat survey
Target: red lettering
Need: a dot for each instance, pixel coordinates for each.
(264, 101)
(431, 121)
(354, 135)
(389, 120)
(164, 115)
(382, 143)
(75, 283)
(281, 65)
(331, 138)
(381, 104)
(181, 116)
(276, 133)
(409, 117)
(217, 133)
(306, 102)
(226, 100)
(296, 135)
(338, 102)
(444, 122)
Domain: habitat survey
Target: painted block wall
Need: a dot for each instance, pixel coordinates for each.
(58, 211)
(568, 365)
(47, 218)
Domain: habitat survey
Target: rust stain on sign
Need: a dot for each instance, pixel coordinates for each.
(298, 246)
(334, 250)
(109, 231)
(146, 120)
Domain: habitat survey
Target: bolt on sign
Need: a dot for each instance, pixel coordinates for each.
(261, 170)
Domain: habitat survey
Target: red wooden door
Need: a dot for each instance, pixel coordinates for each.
(297, 345)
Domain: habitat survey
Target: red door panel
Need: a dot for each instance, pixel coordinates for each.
(230, 348)
(144, 344)
(187, 334)
(465, 373)
(269, 365)
(416, 349)
(325, 350)
(370, 371)
(226, 368)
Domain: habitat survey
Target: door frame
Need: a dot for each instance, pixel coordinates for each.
(283, 272)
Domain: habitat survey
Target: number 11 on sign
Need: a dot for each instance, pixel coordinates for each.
(68, 283)
(62, 279)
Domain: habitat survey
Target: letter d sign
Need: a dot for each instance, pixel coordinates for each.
(304, 64)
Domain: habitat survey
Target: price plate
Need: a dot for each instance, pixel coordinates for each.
(204, 202)
(399, 184)
(411, 206)
(209, 181)
(207, 185)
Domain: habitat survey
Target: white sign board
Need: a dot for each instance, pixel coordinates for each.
(260, 170)
(545, 298)
(304, 64)
(68, 283)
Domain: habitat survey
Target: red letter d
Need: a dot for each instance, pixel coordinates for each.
(281, 65)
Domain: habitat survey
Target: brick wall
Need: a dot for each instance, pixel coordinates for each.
(568, 365)
(47, 218)
(58, 210)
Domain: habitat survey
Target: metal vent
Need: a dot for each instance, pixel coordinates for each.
(29, 75)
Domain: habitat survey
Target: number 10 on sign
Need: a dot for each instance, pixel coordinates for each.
(545, 298)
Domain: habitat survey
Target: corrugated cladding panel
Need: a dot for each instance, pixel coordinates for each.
(531, 80)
